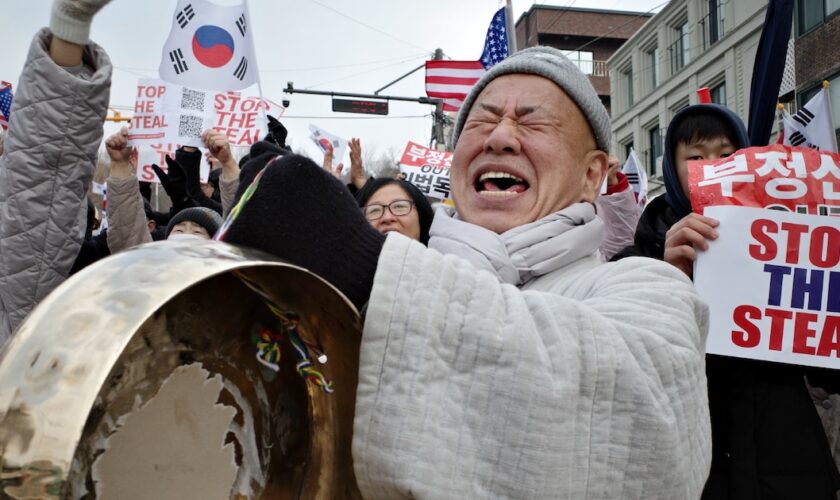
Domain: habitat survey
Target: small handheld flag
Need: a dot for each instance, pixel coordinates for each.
(5, 104)
(209, 47)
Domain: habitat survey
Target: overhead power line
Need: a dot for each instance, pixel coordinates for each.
(342, 14)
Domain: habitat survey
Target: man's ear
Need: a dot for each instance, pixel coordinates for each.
(597, 164)
(151, 224)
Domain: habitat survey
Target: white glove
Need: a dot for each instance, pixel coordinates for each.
(70, 19)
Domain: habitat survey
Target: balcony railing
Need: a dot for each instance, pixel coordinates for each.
(592, 68)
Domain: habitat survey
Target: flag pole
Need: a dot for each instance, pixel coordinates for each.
(826, 84)
(511, 33)
(780, 119)
(256, 66)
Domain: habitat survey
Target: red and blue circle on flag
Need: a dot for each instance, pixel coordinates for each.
(212, 46)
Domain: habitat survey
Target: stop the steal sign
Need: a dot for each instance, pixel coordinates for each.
(772, 281)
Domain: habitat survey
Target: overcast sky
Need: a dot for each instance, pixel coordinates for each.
(334, 45)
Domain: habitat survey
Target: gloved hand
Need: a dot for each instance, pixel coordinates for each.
(277, 133)
(175, 185)
(302, 214)
(70, 19)
(189, 163)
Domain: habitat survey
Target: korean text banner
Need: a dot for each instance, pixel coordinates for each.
(779, 251)
(428, 169)
(780, 299)
(169, 113)
(801, 180)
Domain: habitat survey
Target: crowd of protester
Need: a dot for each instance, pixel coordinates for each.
(583, 340)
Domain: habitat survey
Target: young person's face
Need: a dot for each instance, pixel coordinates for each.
(191, 228)
(705, 149)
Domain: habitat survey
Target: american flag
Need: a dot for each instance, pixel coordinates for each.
(5, 103)
(452, 80)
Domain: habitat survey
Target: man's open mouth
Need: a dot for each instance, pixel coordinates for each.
(500, 184)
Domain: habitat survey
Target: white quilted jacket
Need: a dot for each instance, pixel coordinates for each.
(54, 134)
(588, 382)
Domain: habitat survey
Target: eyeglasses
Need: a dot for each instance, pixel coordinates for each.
(396, 207)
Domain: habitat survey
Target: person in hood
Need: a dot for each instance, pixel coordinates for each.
(767, 439)
(703, 131)
(506, 360)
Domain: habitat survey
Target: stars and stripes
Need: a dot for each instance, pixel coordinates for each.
(5, 104)
(452, 80)
(496, 42)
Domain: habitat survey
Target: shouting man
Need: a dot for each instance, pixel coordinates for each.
(506, 361)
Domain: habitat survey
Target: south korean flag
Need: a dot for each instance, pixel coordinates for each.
(209, 47)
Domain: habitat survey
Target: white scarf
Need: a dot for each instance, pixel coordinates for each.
(525, 252)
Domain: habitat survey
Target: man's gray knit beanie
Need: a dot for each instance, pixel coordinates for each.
(550, 63)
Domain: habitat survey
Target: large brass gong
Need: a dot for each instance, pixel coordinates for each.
(139, 378)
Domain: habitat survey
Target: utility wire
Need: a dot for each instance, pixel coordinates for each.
(130, 69)
(360, 73)
(632, 19)
(371, 27)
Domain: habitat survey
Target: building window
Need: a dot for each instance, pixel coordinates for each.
(713, 22)
(627, 143)
(679, 106)
(582, 59)
(679, 49)
(627, 82)
(812, 13)
(718, 93)
(655, 151)
(653, 63)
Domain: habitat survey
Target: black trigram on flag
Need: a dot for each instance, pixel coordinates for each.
(241, 69)
(803, 117)
(632, 177)
(797, 138)
(185, 16)
(178, 61)
(240, 23)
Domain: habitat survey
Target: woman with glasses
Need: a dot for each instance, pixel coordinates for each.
(396, 205)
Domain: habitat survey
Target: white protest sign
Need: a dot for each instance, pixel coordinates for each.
(169, 113)
(772, 282)
(428, 169)
(156, 154)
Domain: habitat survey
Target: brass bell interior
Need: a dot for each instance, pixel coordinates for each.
(277, 435)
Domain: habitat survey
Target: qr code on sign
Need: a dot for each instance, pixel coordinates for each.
(192, 100)
(190, 126)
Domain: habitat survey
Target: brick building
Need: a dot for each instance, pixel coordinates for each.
(816, 38)
(589, 36)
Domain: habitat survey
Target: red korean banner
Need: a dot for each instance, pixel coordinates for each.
(428, 169)
(778, 251)
(800, 180)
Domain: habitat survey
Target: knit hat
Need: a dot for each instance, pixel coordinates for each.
(204, 217)
(548, 63)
